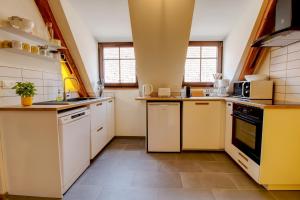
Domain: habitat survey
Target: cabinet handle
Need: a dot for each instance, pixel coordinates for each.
(109, 101)
(199, 104)
(99, 129)
(242, 164)
(98, 104)
(229, 104)
(246, 159)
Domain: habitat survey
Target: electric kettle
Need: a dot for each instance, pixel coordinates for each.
(147, 89)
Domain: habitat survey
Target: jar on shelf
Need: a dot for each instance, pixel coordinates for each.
(16, 44)
(26, 46)
(34, 49)
(44, 50)
(6, 44)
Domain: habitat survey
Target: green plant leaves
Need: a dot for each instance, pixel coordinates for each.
(25, 89)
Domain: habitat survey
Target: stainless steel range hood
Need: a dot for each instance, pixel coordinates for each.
(287, 26)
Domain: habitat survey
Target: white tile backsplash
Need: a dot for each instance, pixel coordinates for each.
(294, 47)
(293, 64)
(32, 74)
(279, 59)
(285, 71)
(279, 52)
(10, 71)
(294, 56)
(278, 67)
(46, 78)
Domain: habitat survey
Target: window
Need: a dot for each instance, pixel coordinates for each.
(202, 61)
(117, 64)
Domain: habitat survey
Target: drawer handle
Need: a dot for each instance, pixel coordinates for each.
(98, 104)
(246, 159)
(99, 129)
(229, 104)
(109, 101)
(243, 164)
(199, 104)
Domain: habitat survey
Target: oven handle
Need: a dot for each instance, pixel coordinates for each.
(246, 119)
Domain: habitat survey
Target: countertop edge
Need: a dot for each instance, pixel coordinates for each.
(52, 107)
(227, 99)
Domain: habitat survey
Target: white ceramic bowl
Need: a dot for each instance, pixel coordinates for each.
(256, 77)
(27, 25)
(21, 23)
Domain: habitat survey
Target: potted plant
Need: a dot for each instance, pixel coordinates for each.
(26, 90)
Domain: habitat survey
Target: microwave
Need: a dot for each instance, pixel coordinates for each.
(262, 89)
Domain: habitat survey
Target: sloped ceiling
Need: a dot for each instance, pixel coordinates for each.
(109, 21)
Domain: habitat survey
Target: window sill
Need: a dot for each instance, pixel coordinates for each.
(201, 84)
(121, 86)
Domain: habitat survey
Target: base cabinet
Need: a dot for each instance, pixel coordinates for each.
(110, 119)
(228, 129)
(102, 124)
(202, 125)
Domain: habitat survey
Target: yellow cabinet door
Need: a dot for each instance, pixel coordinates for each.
(203, 123)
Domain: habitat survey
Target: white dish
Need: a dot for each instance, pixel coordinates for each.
(21, 23)
(257, 77)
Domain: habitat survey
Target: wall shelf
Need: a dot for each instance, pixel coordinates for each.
(7, 28)
(25, 53)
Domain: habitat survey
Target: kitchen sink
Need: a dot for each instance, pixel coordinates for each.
(66, 102)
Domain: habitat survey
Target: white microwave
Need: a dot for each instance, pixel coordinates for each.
(262, 89)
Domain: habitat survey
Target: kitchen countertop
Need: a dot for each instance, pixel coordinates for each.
(53, 107)
(264, 104)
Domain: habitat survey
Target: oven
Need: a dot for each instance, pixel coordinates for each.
(247, 122)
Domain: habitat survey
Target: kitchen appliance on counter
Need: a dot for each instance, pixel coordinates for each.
(164, 92)
(147, 89)
(261, 89)
(163, 127)
(247, 123)
(221, 86)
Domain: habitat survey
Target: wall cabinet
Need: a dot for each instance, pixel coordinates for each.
(203, 123)
(228, 129)
(102, 125)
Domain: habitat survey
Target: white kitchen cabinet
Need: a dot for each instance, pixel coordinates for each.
(98, 140)
(102, 125)
(98, 127)
(163, 127)
(228, 129)
(110, 119)
(203, 123)
(98, 114)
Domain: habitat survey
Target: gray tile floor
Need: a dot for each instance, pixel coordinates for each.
(124, 171)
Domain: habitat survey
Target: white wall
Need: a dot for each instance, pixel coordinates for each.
(235, 43)
(130, 114)
(284, 69)
(46, 75)
(80, 42)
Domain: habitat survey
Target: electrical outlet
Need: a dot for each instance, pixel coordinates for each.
(7, 84)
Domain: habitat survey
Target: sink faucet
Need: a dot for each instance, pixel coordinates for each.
(65, 92)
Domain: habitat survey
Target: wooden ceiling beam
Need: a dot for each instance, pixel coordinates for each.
(264, 24)
(47, 15)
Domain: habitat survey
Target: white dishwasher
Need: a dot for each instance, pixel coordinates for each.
(163, 132)
(74, 133)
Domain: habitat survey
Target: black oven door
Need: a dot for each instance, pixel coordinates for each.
(247, 135)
